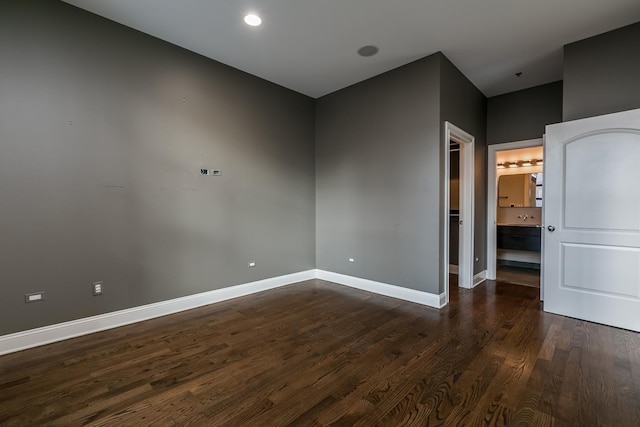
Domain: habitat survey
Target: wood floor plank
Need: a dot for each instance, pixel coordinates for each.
(439, 369)
(319, 354)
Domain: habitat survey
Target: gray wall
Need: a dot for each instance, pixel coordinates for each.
(378, 177)
(601, 74)
(463, 105)
(523, 114)
(99, 169)
(379, 155)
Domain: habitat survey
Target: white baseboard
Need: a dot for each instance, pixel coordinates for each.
(453, 269)
(88, 325)
(420, 297)
(62, 331)
(479, 278)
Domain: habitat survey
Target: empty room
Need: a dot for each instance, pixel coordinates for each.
(306, 213)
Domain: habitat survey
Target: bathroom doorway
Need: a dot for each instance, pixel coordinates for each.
(515, 198)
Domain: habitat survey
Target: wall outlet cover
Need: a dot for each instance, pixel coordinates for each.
(97, 288)
(34, 297)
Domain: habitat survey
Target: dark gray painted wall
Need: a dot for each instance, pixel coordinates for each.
(379, 155)
(378, 178)
(523, 114)
(601, 74)
(99, 163)
(463, 105)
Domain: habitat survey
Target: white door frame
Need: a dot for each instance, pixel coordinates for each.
(467, 213)
(492, 197)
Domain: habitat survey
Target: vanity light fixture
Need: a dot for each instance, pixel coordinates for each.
(519, 163)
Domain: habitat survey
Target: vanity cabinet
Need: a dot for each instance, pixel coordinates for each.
(521, 238)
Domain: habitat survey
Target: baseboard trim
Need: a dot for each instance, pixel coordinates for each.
(479, 278)
(62, 331)
(412, 295)
(453, 269)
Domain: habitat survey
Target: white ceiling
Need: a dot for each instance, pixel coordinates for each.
(310, 45)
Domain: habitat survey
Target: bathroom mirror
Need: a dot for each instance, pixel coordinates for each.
(522, 190)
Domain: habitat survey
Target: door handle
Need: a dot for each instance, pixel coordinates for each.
(551, 228)
(460, 223)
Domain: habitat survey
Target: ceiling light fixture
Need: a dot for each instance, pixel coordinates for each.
(368, 50)
(253, 20)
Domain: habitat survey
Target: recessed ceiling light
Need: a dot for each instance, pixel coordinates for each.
(369, 50)
(253, 20)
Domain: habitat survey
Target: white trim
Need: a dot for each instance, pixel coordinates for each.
(453, 269)
(479, 278)
(544, 156)
(88, 325)
(492, 196)
(467, 207)
(446, 210)
(62, 331)
(412, 295)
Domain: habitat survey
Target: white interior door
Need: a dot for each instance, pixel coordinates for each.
(592, 219)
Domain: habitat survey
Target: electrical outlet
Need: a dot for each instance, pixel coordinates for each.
(252, 263)
(97, 288)
(352, 260)
(34, 297)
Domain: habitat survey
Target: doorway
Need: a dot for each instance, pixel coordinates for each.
(514, 212)
(454, 208)
(465, 147)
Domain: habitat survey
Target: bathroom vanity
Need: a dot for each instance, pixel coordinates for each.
(520, 237)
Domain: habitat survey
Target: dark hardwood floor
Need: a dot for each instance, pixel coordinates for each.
(518, 275)
(318, 354)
